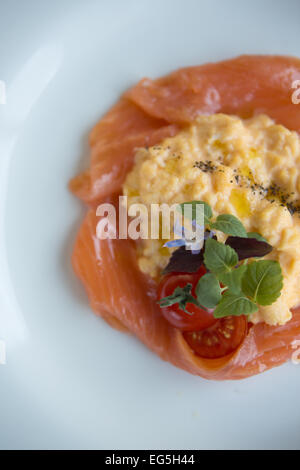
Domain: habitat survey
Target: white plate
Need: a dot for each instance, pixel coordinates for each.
(71, 381)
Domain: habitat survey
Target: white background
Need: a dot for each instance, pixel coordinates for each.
(71, 381)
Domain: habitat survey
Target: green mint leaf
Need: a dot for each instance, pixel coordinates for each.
(233, 279)
(208, 291)
(230, 225)
(219, 258)
(234, 304)
(206, 210)
(257, 236)
(263, 281)
(180, 296)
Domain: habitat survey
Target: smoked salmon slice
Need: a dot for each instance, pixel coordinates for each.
(146, 114)
(113, 141)
(244, 86)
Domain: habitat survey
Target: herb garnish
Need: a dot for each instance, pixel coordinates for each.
(219, 258)
(249, 247)
(245, 285)
(207, 212)
(226, 223)
(186, 261)
(209, 290)
(181, 296)
(229, 225)
(263, 282)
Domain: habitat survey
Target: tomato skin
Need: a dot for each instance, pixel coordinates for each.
(199, 318)
(219, 340)
(207, 336)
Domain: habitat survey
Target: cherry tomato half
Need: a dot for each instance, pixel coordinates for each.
(200, 319)
(220, 339)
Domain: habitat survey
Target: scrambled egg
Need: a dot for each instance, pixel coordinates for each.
(248, 168)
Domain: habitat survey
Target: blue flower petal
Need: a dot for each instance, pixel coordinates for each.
(174, 243)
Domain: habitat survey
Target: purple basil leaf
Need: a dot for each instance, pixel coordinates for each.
(249, 247)
(185, 261)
